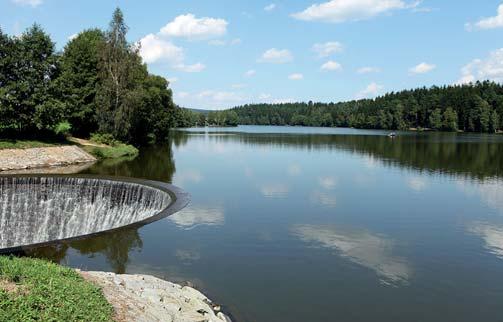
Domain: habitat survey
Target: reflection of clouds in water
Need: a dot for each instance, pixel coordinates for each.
(194, 216)
(370, 162)
(294, 170)
(490, 191)
(274, 190)
(186, 255)
(189, 175)
(361, 247)
(327, 182)
(417, 183)
(492, 235)
(323, 198)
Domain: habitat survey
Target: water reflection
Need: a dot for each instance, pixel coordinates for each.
(492, 236)
(274, 190)
(195, 215)
(489, 190)
(114, 246)
(323, 198)
(361, 247)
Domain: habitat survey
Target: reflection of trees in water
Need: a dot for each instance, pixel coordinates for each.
(153, 162)
(114, 246)
(477, 156)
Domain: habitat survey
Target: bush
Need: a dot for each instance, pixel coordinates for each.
(104, 138)
(63, 128)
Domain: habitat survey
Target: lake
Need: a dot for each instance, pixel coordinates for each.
(320, 224)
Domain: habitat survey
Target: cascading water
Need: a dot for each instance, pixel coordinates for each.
(35, 210)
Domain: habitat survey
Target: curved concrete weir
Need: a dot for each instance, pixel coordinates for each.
(37, 210)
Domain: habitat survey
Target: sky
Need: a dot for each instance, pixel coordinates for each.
(219, 54)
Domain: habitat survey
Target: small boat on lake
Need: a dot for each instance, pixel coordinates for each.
(392, 135)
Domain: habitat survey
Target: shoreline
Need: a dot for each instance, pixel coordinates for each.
(148, 298)
(43, 157)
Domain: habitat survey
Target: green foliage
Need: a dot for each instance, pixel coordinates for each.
(104, 138)
(44, 291)
(119, 150)
(63, 128)
(25, 144)
(98, 84)
(223, 118)
(79, 80)
(473, 108)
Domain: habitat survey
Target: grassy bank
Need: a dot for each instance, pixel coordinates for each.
(112, 152)
(36, 290)
(26, 144)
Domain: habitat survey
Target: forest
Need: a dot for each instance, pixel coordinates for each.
(97, 84)
(474, 107)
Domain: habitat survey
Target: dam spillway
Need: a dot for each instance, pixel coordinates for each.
(37, 210)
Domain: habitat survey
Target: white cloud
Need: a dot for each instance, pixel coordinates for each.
(283, 100)
(338, 11)
(155, 49)
(190, 27)
(194, 68)
(422, 68)
(182, 94)
(31, 3)
(331, 66)
(368, 70)
(328, 48)
(270, 7)
(370, 91)
(238, 86)
(489, 69)
(488, 23)
(72, 36)
(296, 76)
(250, 73)
(172, 80)
(276, 56)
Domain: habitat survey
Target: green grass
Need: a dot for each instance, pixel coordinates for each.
(25, 144)
(119, 150)
(36, 290)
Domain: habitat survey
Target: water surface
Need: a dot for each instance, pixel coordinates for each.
(309, 224)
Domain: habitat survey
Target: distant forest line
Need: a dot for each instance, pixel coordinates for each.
(474, 107)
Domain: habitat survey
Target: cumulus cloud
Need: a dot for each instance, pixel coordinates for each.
(219, 96)
(296, 76)
(370, 91)
(422, 68)
(250, 73)
(31, 3)
(331, 66)
(194, 216)
(368, 70)
(193, 28)
(264, 96)
(328, 48)
(276, 56)
(488, 23)
(270, 7)
(492, 236)
(155, 49)
(490, 68)
(338, 11)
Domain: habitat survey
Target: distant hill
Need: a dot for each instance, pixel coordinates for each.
(197, 110)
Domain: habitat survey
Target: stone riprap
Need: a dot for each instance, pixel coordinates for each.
(17, 159)
(144, 298)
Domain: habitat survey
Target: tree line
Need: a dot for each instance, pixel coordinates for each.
(474, 107)
(96, 84)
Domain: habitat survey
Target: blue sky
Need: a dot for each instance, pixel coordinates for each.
(219, 54)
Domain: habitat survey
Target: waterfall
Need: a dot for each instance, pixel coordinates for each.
(42, 209)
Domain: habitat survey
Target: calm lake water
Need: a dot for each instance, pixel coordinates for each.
(312, 224)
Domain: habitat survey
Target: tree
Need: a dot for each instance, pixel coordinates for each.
(435, 119)
(121, 73)
(79, 80)
(494, 122)
(29, 100)
(450, 120)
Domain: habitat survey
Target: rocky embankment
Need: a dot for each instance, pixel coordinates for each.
(57, 156)
(144, 298)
